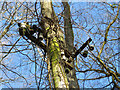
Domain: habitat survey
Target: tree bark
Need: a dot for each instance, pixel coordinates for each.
(53, 46)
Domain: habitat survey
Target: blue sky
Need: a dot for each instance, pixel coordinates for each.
(78, 37)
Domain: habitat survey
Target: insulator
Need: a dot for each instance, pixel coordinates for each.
(62, 52)
(23, 25)
(85, 53)
(63, 57)
(41, 36)
(91, 47)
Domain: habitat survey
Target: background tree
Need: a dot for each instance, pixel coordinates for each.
(99, 21)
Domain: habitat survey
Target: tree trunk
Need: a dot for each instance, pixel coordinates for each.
(53, 46)
(69, 39)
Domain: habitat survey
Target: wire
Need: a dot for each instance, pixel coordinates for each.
(42, 63)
